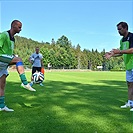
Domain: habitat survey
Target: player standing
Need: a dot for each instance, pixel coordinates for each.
(37, 63)
(126, 49)
(7, 58)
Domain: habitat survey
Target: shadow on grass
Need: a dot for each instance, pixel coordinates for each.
(67, 107)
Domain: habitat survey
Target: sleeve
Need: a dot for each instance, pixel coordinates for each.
(32, 56)
(40, 56)
(121, 44)
(2, 38)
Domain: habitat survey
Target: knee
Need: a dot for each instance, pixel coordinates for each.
(19, 62)
(15, 60)
(18, 59)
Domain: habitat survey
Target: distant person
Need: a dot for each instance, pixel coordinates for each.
(126, 49)
(49, 66)
(37, 63)
(7, 58)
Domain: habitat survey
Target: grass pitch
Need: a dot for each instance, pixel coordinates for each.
(69, 102)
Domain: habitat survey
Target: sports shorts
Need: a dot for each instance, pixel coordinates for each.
(34, 69)
(129, 75)
(4, 62)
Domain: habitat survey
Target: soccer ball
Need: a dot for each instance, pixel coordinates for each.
(38, 77)
(32, 59)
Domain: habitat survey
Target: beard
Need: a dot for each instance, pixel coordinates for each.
(120, 34)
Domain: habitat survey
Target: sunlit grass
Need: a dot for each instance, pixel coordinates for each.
(69, 102)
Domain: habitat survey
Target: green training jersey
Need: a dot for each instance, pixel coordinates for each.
(6, 43)
(126, 43)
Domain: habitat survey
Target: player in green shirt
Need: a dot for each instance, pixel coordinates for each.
(126, 49)
(7, 58)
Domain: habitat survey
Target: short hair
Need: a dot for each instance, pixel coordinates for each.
(13, 22)
(123, 24)
(37, 47)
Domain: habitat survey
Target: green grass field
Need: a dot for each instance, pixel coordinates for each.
(69, 102)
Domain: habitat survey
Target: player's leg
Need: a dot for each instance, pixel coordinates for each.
(12, 60)
(34, 69)
(2, 90)
(3, 107)
(20, 68)
(129, 79)
(130, 94)
(130, 90)
(39, 70)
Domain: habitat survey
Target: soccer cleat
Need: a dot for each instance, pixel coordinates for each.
(127, 105)
(6, 109)
(41, 84)
(28, 87)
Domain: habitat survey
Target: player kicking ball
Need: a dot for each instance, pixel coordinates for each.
(7, 58)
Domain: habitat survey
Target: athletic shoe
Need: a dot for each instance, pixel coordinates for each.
(41, 84)
(28, 87)
(6, 109)
(127, 105)
(131, 109)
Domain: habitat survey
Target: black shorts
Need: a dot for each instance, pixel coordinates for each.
(34, 69)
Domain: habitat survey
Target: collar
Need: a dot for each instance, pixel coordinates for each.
(11, 38)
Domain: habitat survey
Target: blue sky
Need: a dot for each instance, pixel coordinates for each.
(91, 24)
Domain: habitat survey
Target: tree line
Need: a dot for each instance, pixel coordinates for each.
(63, 55)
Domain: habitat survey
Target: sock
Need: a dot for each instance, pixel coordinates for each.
(2, 101)
(31, 83)
(23, 79)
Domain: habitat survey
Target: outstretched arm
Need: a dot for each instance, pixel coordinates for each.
(113, 53)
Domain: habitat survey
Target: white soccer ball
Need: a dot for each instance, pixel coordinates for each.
(38, 77)
(32, 59)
